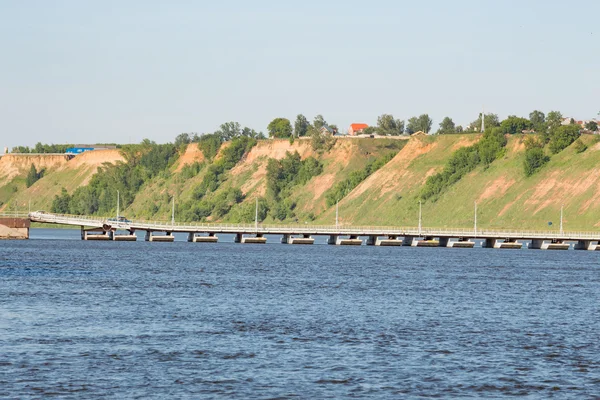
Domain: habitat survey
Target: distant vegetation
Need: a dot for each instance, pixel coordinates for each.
(282, 176)
(202, 205)
(144, 162)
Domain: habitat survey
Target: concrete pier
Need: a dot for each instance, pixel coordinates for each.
(353, 240)
(258, 239)
(195, 238)
(304, 239)
(14, 228)
(131, 237)
(390, 241)
(96, 234)
(548, 245)
(591, 245)
(506, 244)
(427, 241)
(167, 237)
(461, 243)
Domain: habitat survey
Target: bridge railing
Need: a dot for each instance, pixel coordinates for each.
(14, 214)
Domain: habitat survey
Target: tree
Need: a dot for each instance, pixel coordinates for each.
(447, 126)
(554, 119)
(563, 137)
(301, 126)
(591, 126)
(513, 124)
(538, 121)
(229, 130)
(420, 123)
(319, 122)
(534, 160)
(32, 176)
(459, 129)
(182, 139)
(280, 128)
(387, 125)
(491, 121)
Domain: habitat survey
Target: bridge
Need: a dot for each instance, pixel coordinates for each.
(105, 228)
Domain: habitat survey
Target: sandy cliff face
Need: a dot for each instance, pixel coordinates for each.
(12, 165)
(61, 171)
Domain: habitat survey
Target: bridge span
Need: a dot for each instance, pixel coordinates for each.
(100, 228)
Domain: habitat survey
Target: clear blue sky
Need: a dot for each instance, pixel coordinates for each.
(121, 71)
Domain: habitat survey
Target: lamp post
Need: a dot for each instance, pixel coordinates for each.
(256, 216)
(561, 219)
(475, 219)
(420, 215)
(336, 213)
(173, 212)
(118, 201)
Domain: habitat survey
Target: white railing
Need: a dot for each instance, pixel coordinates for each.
(307, 228)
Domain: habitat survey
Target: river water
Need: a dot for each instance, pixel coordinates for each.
(189, 320)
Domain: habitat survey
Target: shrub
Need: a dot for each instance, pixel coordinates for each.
(535, 159)
(563, 137)
(579, 146)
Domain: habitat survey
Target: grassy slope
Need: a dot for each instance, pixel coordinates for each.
(250, 175)
(505, 197)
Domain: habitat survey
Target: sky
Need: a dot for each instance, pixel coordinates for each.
(121, 71)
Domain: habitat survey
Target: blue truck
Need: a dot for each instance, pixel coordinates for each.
(78, 150)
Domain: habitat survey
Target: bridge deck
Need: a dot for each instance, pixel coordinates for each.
(330, 230)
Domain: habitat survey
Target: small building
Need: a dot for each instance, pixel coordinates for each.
(356, 129)
(327, 130)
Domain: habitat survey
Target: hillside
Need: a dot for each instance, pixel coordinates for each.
(505, 197)
(59, 171)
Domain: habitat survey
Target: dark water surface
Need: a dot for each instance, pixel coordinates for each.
(189, 320)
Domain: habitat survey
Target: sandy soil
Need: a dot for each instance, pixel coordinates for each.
(497, 188)
(192, 154)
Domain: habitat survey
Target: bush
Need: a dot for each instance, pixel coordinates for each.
(209, 145)
(579, 146)
(535, 159)
(563, 137)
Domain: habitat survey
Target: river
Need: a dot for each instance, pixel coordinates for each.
(188, 320)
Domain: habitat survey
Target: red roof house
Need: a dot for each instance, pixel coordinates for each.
(356, 129)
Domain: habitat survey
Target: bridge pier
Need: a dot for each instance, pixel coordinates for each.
(443, 241)
(390, 241)
(428, 241)
(332, 239)
(508, 243)
(591, 245)
(258, 239)
(167, 237)
(353, 240)
(96, 234)
(407, 240)
(461, 243)
(197, 238)
(305, 239)
(371, 241)
(540, 244)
